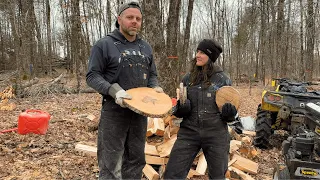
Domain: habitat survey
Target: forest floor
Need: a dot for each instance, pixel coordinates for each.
(53, 155)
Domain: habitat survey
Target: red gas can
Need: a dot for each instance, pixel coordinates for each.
(33, 121)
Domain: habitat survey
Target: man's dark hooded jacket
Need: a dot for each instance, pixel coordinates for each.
(104, 61)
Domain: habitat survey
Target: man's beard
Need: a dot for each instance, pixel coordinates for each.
(130, 33)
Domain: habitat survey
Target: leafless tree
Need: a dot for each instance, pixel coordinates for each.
(310, 35)
(262, 39)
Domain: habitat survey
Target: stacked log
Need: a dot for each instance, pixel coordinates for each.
(5, 96)
(241, 155)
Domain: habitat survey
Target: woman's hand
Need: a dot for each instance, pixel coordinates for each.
(228, 112)
(183, 110)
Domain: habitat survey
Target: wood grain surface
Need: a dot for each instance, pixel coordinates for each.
(147, 102)
(227, 94)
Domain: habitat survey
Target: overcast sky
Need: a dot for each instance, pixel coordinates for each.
(199, 22)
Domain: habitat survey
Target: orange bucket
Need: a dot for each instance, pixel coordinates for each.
(33, 121)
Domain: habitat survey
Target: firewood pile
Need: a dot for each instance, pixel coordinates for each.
(241, 159)
(5, 96)
(242, 154)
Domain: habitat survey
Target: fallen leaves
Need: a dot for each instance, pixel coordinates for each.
(53, 156)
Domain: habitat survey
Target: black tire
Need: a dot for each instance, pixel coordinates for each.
(281, 172)
(263, 128)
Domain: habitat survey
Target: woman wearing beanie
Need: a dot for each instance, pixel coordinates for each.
(203, 126)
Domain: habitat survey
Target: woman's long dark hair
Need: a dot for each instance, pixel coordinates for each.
(201, 74)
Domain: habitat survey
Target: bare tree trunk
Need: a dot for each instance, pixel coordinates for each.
(118, 6)
(217, 24)
(2, 60)
(27, 42)
(104, 21)
(317, 47)
(49, 61)
(16, 34)
(238, 44)
(172, 25)
(40, 46)
(153, 33)
(65, 18)
(33, 53)
(280, 34)
(25, 36)
(86, 31)
(213, 24)
(263, 40)
(224, 20)
(75, 36)
(168, 76)
(302, 66)
(222, 32)
(287, 43)
(183, 66)
(273, 43)
(229, 44)
(257, 74)
(91, 21)
(153, 29)
(310, 35)
(54, 41)
(109, 17)
(99, 17)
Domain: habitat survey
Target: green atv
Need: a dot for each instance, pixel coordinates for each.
(282, 109)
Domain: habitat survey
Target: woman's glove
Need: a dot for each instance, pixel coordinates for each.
(183, 110)
(228, 112)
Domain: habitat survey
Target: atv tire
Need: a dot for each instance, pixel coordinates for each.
(263, 128)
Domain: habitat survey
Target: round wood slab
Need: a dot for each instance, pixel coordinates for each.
(147, 102)
(227, 94)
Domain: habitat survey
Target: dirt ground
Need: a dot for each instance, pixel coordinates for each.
(53, 155)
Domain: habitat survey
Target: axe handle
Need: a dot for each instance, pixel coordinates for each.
(178, 93)
(182, 93)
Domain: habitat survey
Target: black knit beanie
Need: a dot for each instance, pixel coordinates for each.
(126, 6)
(211, 48)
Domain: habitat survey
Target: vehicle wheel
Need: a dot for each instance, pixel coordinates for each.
(263, 128)
(281, 172)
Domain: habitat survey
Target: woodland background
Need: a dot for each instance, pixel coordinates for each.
(51, 39)
(262, 39)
